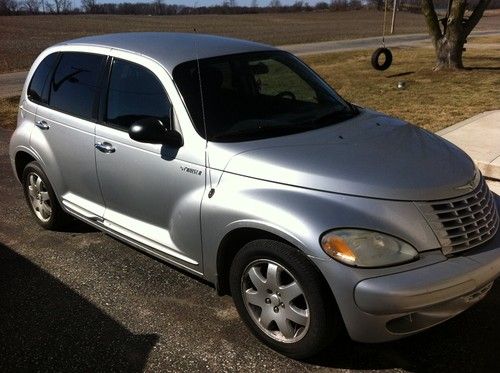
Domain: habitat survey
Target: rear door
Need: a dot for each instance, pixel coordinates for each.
(64, 132)
(151, 195)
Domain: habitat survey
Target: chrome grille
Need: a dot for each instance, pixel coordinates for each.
(464, 222)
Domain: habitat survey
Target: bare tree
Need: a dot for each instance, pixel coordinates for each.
(60, 6)
(89, 6)
(275, 4)
(8, 6)
(254, 4)
(450, 35)
(31, 6)
(159, 7)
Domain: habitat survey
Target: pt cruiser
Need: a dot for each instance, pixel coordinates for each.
(236, 162)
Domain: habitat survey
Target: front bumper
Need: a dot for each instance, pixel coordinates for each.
(378, 306)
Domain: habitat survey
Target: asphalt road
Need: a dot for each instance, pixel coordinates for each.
(11, 84)
(82, 301)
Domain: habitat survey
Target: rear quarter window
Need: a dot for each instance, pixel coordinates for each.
(75, 83)
(36, 89)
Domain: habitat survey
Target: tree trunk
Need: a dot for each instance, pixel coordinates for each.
(449, 38)
(449, 51)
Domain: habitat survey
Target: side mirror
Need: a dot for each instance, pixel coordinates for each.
(153, 131)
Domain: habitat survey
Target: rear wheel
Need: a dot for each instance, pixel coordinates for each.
(282, 298)
(41, 198)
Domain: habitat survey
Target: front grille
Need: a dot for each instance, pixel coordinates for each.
(464, 222)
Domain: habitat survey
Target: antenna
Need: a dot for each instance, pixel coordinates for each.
(207, 158)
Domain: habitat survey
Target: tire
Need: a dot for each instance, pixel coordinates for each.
(297, 340)
(376, 57)
(41, 198)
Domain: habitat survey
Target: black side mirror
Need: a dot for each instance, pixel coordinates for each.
(153, 131)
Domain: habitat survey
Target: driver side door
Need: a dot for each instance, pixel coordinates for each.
(148, 198)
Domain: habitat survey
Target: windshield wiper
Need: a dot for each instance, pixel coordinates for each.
(258, 132)
(333, 117)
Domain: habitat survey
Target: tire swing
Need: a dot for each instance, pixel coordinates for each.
(382, 51)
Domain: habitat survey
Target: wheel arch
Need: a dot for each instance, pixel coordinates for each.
(21, 160)
(236, 239)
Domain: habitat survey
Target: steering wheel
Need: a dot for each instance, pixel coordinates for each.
(286, 94)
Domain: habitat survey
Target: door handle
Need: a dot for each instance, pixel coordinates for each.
(42, 124)
(105, 147)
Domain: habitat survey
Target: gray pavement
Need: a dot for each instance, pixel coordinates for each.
(479, 137)
(407, 40)
(81, 301)
(11, 83)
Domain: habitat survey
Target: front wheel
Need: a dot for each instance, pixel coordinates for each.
(282, 299)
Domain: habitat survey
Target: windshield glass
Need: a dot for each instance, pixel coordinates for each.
(257, 95)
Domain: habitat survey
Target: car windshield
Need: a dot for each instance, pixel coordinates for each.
(257, 95)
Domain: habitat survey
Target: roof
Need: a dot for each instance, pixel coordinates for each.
(169, 48)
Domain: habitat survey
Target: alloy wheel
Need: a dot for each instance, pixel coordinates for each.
(275, 301)
(39, 197)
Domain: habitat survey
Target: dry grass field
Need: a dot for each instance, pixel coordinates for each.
(8, 112)
(433, 100)
(23, 37)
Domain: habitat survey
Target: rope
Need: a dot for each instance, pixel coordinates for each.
(385, 21)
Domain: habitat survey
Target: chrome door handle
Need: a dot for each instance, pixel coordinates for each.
(42, 124)
(105, 147)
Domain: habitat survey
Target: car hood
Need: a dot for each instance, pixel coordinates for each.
(371, 155)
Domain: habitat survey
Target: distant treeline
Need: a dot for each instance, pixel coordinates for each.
(160, 7)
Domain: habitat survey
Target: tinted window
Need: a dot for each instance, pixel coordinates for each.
(75, 83)
(257, 95)
(134, 93)
(40, 77)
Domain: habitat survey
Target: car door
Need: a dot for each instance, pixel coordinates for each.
(149, 198)
(64, 132)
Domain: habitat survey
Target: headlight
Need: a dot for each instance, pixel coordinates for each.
(363, 248)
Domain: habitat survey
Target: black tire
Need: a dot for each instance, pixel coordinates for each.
(324, 320)
(58, 218)
(376, 59)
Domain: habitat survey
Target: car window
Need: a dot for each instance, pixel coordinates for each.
(134, 93)
(256, 95)
(273, 78)
(75, 83)
(40, 77)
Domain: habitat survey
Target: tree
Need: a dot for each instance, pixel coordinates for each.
(61, 6)
(159, 7)
(254, 4)
(89, 6)
(450, 34)
(275, 4)
(8, 6)
(31, 6)
(229, 4)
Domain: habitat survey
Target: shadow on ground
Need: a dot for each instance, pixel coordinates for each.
(46, 326)
(466, 343)
(482, 68)
(401, 74)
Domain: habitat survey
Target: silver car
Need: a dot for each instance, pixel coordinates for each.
(236, 162)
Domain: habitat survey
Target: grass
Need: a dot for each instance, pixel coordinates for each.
(8, 112)
(493, 39)
(433, 100)
(24, 37)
